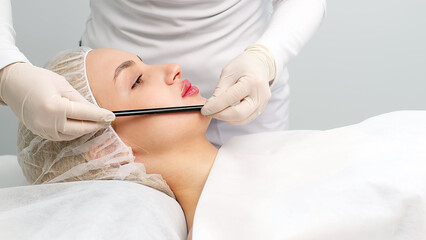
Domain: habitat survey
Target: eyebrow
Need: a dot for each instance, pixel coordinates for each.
(122, 66)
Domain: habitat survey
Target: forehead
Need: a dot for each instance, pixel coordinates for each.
(109, 57)
(101, 63)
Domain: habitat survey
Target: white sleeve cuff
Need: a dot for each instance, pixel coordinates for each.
(9, 56)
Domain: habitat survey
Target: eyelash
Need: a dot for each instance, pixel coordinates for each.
(138, 81)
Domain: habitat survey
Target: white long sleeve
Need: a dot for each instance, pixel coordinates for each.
(9, 53)
(292, 25)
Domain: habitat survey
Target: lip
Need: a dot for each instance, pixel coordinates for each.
(188, 89)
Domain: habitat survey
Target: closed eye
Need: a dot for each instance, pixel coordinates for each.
(138, 81)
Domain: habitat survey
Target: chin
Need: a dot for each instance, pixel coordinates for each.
(194, 100)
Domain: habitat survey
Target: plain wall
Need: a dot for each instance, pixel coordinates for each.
(368, 58)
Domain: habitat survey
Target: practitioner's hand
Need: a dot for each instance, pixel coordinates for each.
(48, 105)
(245, 81)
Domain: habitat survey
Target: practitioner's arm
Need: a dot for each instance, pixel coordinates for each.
(293, 24)
(44, 101)
(249, 77)
(9, 53)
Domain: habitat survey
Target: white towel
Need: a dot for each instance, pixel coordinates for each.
(362, 182)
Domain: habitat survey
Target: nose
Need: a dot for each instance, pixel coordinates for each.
(173, 72)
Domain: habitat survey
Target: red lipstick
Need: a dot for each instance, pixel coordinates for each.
(188, 89)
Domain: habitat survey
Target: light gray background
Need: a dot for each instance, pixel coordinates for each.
(368, 58)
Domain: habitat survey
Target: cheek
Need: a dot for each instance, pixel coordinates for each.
(157, 98)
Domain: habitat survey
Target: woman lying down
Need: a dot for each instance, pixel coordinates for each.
(366, 181)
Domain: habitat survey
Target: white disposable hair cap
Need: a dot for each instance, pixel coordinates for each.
(97, 155)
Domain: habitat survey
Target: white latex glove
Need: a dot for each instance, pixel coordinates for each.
(246, 79)
(48, 105)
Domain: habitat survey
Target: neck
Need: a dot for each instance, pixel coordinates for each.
(185, 167)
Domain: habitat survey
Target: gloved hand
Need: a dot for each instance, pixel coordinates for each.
(48, 105)
(246, 79)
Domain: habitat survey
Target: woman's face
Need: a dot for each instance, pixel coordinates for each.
(121, 81)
